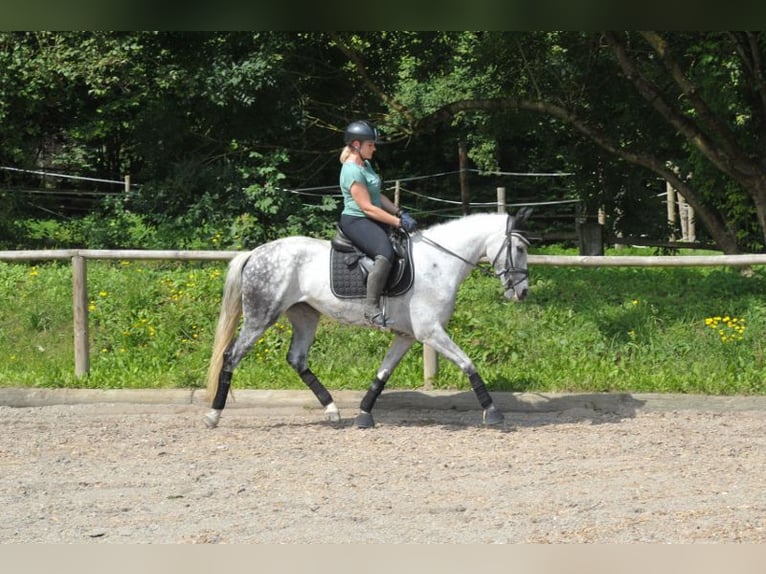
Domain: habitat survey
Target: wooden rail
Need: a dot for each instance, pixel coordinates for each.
(79, 259)
(743, 260)
(125, 254)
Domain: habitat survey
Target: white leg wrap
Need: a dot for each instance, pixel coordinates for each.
(331, 413)
(212, 417)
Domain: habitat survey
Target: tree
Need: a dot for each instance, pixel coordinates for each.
(209, 125)
(687, 107)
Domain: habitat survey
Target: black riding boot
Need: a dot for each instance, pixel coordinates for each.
(376, 281)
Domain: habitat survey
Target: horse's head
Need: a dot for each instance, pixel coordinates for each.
(510, 261)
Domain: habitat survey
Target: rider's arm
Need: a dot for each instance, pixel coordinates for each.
(389, 205)
(362, 198)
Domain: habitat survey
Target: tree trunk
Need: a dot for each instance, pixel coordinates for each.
(710, 218)
(758, 193)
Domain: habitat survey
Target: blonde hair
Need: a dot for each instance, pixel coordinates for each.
(346, 153)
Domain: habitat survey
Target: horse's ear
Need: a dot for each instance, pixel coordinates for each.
(520, 219)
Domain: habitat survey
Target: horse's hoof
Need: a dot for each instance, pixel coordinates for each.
(331, 413)
(492, 416)
(364, 420)
(211, 419)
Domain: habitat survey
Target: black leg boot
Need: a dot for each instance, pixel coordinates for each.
(376, 281)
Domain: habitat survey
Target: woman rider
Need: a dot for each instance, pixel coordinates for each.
(367, 213)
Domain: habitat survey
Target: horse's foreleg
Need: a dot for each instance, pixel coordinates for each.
(491, 416)
(443, 344)
(399, 346)
(304, 320)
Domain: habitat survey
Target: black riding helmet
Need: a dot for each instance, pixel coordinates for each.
(361, 130)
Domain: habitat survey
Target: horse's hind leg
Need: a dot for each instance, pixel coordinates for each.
(399, 346)
(234, 354)
(305, 320)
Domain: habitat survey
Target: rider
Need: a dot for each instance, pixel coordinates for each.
(367, 213)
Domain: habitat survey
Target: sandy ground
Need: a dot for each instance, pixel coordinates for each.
(153, 473)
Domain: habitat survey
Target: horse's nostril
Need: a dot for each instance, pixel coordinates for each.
(523, 294)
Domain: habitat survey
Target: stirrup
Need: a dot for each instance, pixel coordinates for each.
(377, 319)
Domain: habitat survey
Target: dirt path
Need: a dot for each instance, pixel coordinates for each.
(154, 474)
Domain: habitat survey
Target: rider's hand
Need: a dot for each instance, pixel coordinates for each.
(407, 222)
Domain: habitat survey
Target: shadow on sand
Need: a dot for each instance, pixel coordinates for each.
(521, 409)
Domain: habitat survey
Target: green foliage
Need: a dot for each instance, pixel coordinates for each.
(615, 106)
(212, 126)
(686, 330)
(202, 122)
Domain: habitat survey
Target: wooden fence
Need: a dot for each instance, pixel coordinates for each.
(79, 258)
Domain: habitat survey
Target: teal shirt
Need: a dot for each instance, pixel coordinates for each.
(351, 173)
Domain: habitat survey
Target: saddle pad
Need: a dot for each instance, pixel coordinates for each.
(348, 282)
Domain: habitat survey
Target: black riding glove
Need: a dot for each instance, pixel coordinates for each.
(407, 222)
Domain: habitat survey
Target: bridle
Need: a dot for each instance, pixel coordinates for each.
(510, 270)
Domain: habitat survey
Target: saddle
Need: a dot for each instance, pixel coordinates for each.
(349, 267)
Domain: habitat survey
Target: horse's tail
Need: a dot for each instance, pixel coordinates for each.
(228, 320)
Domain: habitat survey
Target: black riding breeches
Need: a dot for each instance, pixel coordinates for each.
(368, 235)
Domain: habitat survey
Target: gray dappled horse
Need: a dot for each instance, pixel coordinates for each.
(292, 276)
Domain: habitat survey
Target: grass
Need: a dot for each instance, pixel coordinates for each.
(684, 330)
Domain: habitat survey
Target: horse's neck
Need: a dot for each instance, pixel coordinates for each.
(468, 236)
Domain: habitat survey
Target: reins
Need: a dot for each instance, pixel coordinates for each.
(453, 254)
(510, 267)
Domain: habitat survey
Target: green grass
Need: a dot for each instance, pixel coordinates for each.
(688, 330)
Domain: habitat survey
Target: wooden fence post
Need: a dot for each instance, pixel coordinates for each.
(690, 222)
(683, 216)
(430, 366)
(501, 200)
(671, 204)
(465, 192)
(80, 310)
